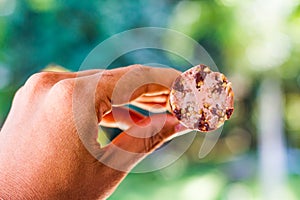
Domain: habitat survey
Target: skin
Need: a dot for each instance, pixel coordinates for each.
(42, 155)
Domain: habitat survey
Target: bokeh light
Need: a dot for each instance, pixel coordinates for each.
(256, 44)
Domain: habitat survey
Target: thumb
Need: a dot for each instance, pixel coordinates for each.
(132, 145)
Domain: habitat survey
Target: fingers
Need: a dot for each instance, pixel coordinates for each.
(57, 69)
(66, 74)
(132, 145)
(151, 107)
(47, 79)
(153, 103)
(147, 134)
(122, 85)
(161, 98)
(121, 117)
(116, 87)
(87, 72)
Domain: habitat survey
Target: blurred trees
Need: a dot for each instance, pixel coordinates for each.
(248, 40)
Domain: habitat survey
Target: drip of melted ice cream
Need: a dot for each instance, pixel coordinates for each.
(202, 99)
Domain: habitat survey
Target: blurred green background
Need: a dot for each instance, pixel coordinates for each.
(256, 43)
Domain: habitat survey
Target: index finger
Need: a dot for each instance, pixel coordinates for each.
(122, 85)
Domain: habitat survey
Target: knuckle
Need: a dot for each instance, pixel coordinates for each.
(60, 96)
(63, 87)
(148, 144)
(152, 143)
(39, 80)
(136, 67)
(19, 92)
(140, 69)
(37, 83)
(141, 73)
(39, 77)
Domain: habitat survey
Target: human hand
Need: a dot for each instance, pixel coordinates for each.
(48, 147)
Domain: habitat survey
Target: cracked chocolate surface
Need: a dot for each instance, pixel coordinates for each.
(202, 99)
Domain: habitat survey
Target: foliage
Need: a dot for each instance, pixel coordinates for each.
(249, 41)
